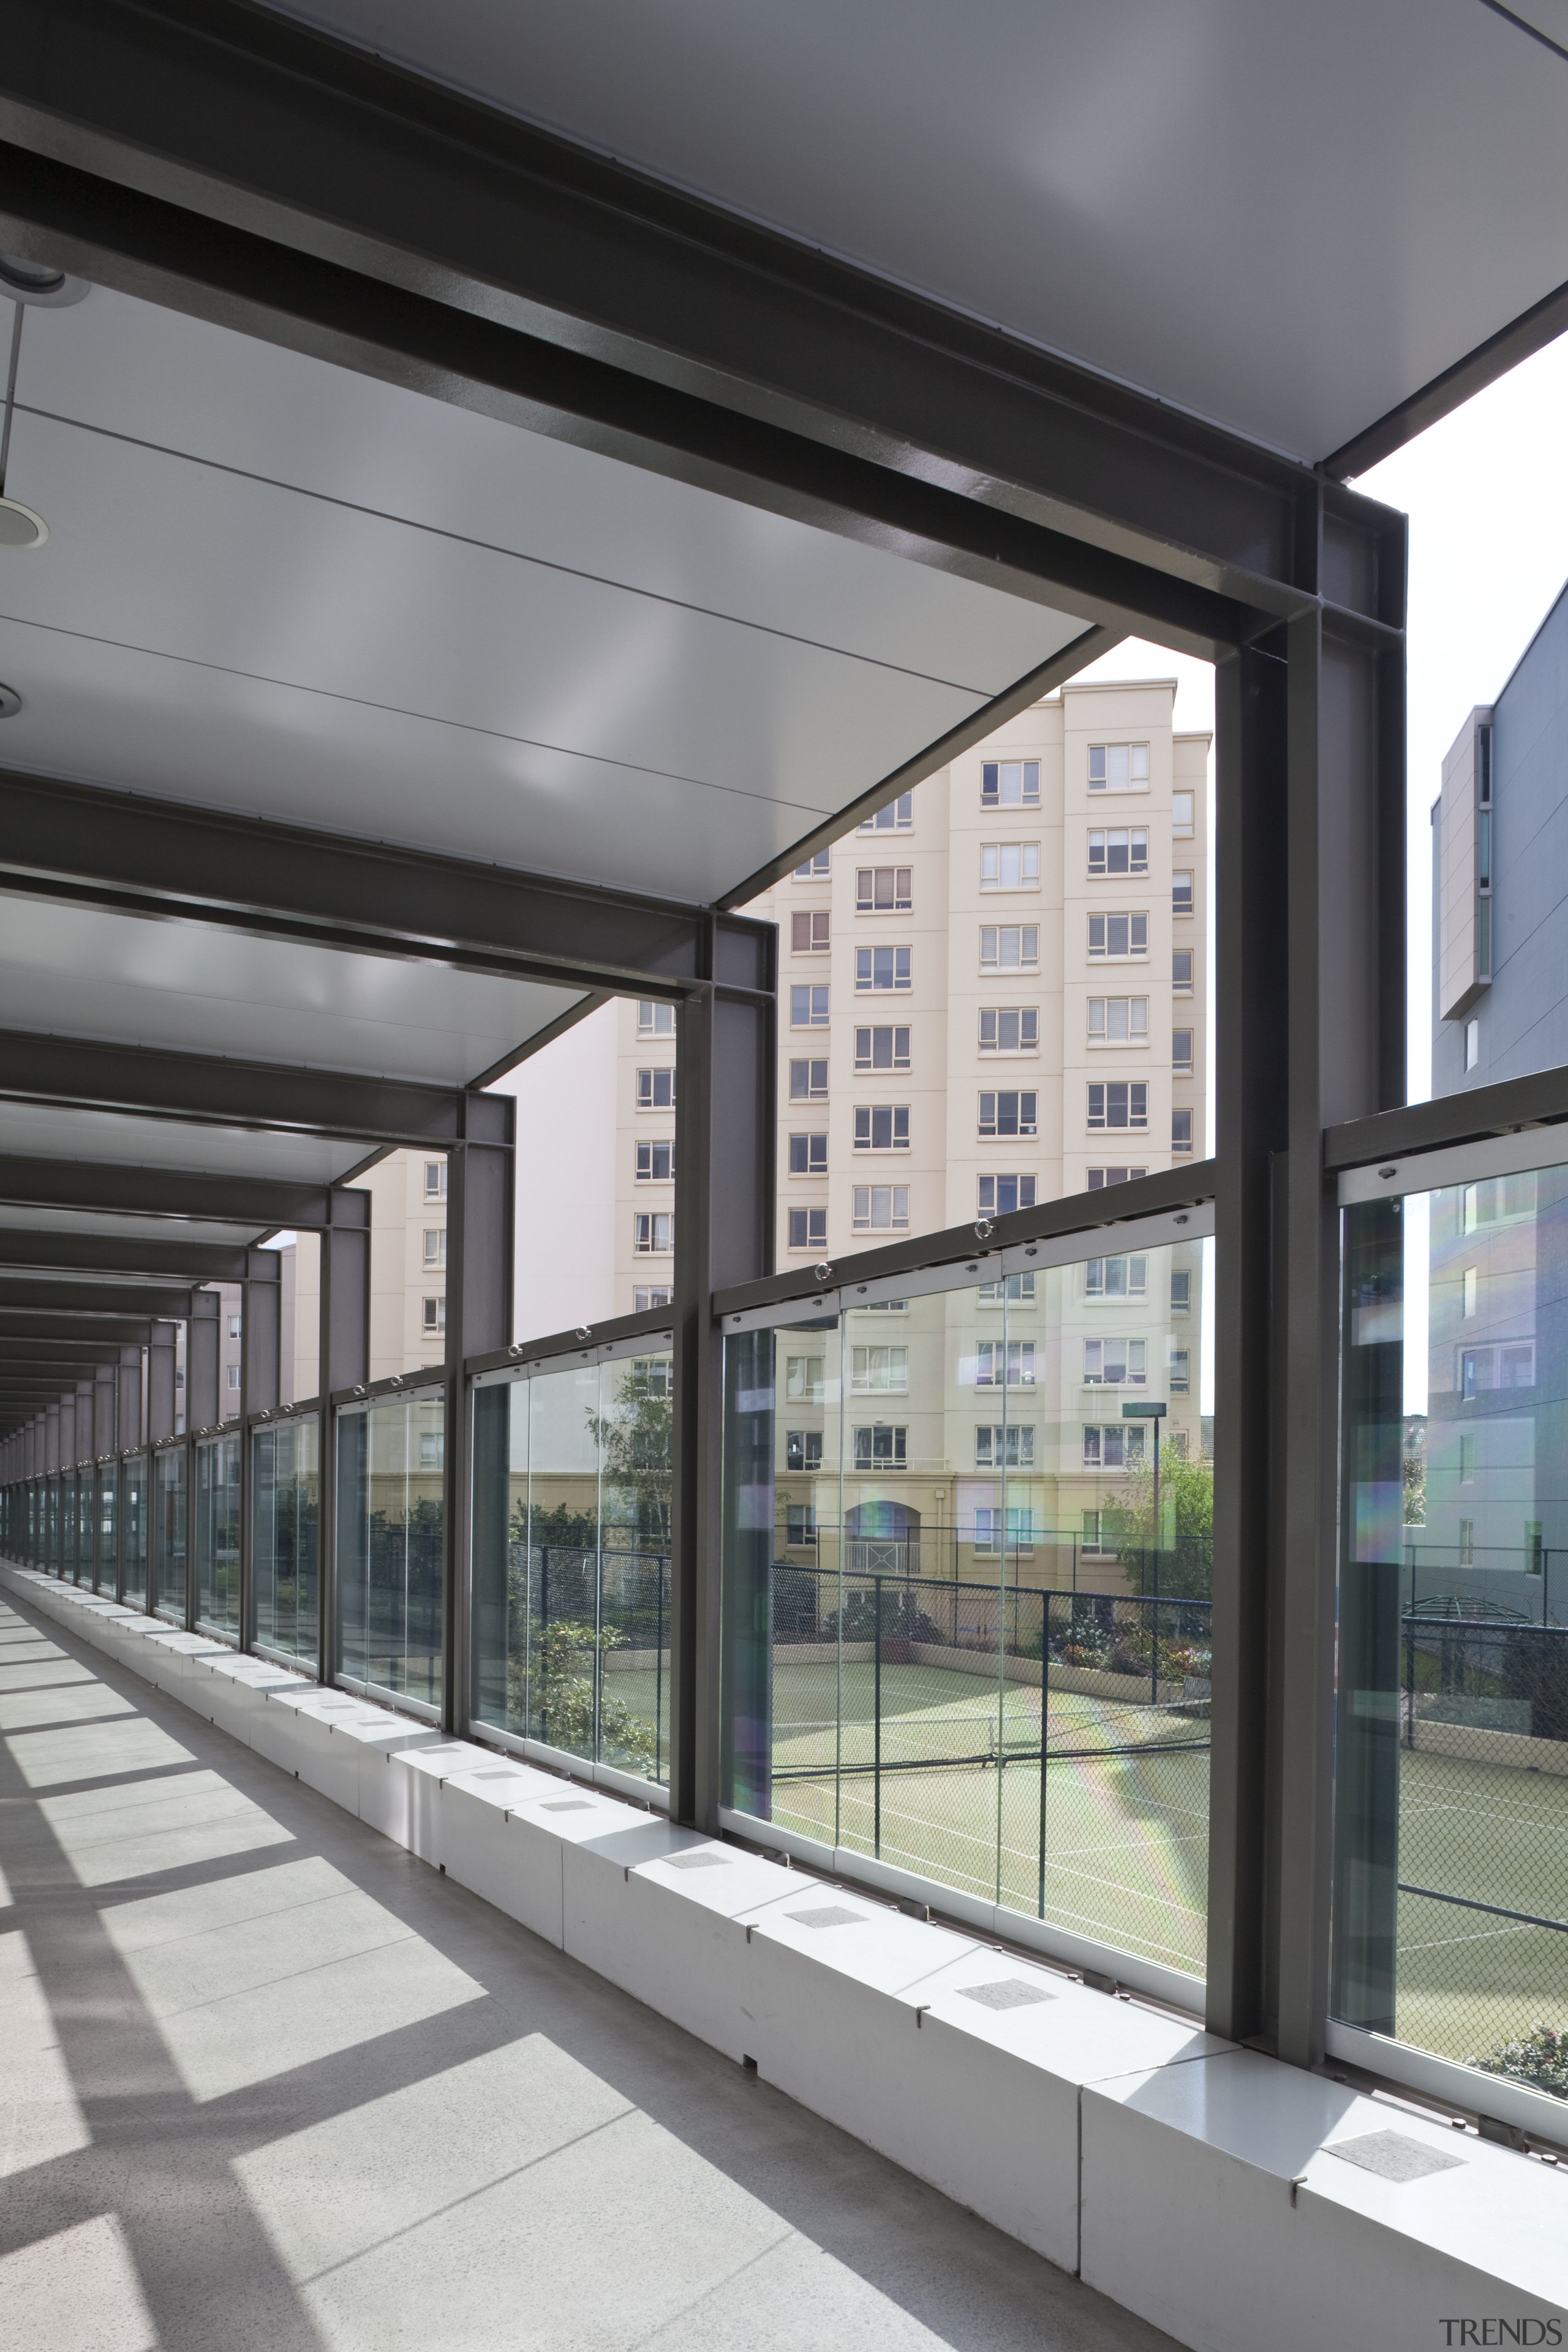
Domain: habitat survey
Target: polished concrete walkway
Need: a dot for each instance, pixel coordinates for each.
(267, 2082)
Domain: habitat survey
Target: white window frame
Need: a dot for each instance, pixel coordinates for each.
(997, 952)
(811, 931)
(1136, 1121)
(881, 1208)
(896, 1455)
(1119, 766)
(653, 1232)
(866, 1117)
(816, 1160)
(811, 1064)
(1118, 1020)
(895, 1030)
(884, 889)
(1123, 1277)
(647, 1169)
(1134, 839)
(815, 868)
(1025, 1114)
(1137, 948)
(872, 963)
(879, 1369)
(896, 816)
(655, 1020)
(1009, 783)
(1026, 1018)
(647, 1097)
(808, 1006)
(434, 1246)
(1009, 866)
(992, 1185)
(807, 1229)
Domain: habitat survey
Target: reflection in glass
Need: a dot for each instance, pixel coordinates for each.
(285, 1464)
(84, 1517)
(965, 1632)
(69, 1525)
(571, 1490)
(133, 1516)
(1451, 1809)
(391, 1528)
(169, 1532)
(215, 1513)
(108, 1559)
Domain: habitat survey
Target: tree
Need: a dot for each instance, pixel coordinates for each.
(566, 1663)
(1186, 1513)
(634, 1439)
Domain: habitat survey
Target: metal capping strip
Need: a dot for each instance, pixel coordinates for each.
(1459, 1164)
(1163, 1229)
(612, 1351)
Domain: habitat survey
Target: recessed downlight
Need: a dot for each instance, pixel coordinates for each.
(20, 527)
(10, 702)
(38, 281)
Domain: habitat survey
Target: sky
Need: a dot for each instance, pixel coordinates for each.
(1487, 494)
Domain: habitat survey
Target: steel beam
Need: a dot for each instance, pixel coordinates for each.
(246, 168)
(481, 1222)
(212, 1089)
(26, 1295)
(1538, 1099)
(113, 1188)
(164, 859)
(29, 1248)
(54, 1335)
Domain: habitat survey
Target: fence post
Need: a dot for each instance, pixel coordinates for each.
(877, 1728)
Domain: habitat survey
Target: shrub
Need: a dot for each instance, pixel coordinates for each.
(563, 1663)
(1539, 2058)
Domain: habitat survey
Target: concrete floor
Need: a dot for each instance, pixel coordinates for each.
(267, 2082)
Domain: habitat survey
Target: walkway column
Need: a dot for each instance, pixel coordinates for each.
(260, 1336)
(481, 1218)
(343, 1362)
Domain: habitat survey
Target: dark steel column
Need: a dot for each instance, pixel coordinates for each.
(128, 1401)
(161, 1382)
(726, 1062)
(202, 1355)
(481, 1218)
(342, 1359)
(1311, 995)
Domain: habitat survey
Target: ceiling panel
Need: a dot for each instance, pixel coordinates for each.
(230, 637)
(41, 1132)
(201, 988)
(162, 1229)
(1287, 219)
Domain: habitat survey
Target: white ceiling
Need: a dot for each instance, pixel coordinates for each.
(1287, 219)
(275, 585)
(145, 1229)
(201, 988)
(40, 1133)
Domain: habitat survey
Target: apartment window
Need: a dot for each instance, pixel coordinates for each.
(1466, 1461)
(1009, 947)
(1000, 1195)
(1122, 1102)
(815, 868)
(808, 1155)
(884, 1371)
(1177, 1371)
(881, 1208)
(1119, 935)
(1118, 850)
(1099, 1177)
(1176, 1439)
(434, 1246)
(808, 931)
(1009, 1289)
(1117, 1277)
(896, 817)
(1004, 1363)
(435, 1180)
(1115, 1363)
(179, 1376)
(1511, 1366)
(1181, 1131)
(1009, 1029)
(434, 1314)
(234, 1376)
(882, 1127)
(653, 1232)
(655, 1090)
(1008, 1448)
(883, 890)
(884, 1306)
(432, 1449)
(882, 1446)
(1182, 1051)
(802, 1377)
(808, 1229)
(1118, 1020)
(656, 1163)
(800, 1524)
(1010, 783)
(656, 1020)
(881, 1049)
(233, 1326)
(1008, 1114)
(1472, 1044)
(808, 1081)
(880, 968)
(1181, 894)
(1015, 1527)
(1468, 1527)
(803, 1449)
(1181, 814)
(1471, 1286)
(1119, 766)
(1182, 1291)
(1010, 866)
(1182, 971)
(1091, 1527)
(1113, 1445)
(808, 1008)
(647, 1297)
(654, 1375)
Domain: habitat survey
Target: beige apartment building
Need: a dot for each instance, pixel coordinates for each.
(407, 1277)
(991, 993)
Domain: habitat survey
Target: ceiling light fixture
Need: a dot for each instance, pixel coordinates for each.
(26, 281)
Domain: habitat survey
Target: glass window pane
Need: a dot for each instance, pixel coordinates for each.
(946, 1550)
(391, 1523)
(169, 1531)
(1451, 1839)
(133, 1511)
(215, 1513)
(286, 1538)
